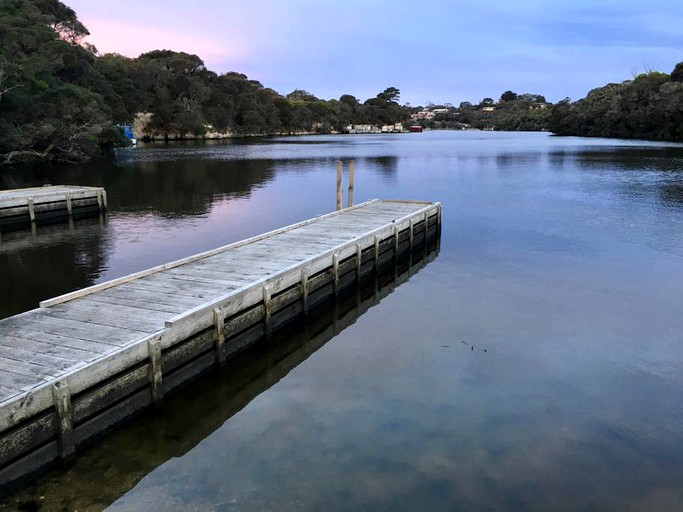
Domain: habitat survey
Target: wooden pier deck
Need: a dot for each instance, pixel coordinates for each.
(86, 361)
(51, 203)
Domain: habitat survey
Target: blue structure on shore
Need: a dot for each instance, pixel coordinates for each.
(128, 132)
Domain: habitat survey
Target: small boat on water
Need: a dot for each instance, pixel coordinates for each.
(416, 129)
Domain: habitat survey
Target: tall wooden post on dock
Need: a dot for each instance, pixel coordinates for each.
(339, 185)
(352, 181)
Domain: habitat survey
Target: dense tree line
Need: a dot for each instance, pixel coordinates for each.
(60, 100)
(513, 112)
(648, 107)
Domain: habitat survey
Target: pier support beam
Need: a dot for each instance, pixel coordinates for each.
(304, 290)
(335, 271)
(267, 311)
(64, 424)
(31, 209)
(155, 375)
(219, 334)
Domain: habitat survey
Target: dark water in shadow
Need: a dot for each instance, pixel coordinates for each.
(561, 257)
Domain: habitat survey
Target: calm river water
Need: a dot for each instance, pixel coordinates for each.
(536, 363)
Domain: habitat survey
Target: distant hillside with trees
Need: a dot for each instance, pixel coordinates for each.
(648, 107)
(60, 100)
(513, 112)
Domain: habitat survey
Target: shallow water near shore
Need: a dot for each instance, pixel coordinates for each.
(536, 363)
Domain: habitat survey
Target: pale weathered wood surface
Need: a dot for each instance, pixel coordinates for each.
(47, 194)
(85, 336)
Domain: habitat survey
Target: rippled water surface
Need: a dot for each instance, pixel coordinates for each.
(536, 363)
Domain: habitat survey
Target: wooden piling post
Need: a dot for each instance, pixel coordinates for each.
(424, 245)
(335, 271)
(352, 182)
(412, 228)
(267, 311)
(359, 258)
(376, 251)
(155, 375)
(219, 334)
(69, 206)
(304, 290)
(64, 424)
(339, 185)
(104, 200)
(31, 209)
(395, 253)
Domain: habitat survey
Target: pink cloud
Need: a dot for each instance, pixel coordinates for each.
(131, 40)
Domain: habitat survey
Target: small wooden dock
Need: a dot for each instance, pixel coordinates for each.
(88, 360)
(24, 207)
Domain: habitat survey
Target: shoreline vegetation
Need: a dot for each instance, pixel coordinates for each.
(61, 101)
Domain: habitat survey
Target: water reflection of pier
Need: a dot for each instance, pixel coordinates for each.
(28, 259)
(184, 421)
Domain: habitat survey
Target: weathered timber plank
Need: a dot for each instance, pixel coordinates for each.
(139, 303)
(12, 379)
(164, 297)
(45, 333)
(42, 347)
(28, 369)
(101, 334)
(171, 288)
(37, 358)
(113, 316)
(101, 286)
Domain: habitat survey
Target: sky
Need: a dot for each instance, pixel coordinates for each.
(435, 51)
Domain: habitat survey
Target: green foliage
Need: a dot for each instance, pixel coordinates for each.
(524, 112)
(648, 107)
(47, 109)
(508, 96)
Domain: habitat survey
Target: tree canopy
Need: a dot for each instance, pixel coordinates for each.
(60, 99)
(648, 107)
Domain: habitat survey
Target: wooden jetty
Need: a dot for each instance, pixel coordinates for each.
(186, 421)
(24, 207)
(88, 360)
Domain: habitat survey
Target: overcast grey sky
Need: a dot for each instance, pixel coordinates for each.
(432, 50)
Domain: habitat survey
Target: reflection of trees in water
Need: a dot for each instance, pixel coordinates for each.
(655, 159)
(668, 161)
(672, 193)
(27, 276)
(185, 187)
(178, 187)
(384, 166)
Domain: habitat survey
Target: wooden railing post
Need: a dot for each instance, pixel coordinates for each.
(340, 204)
(352, 181)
